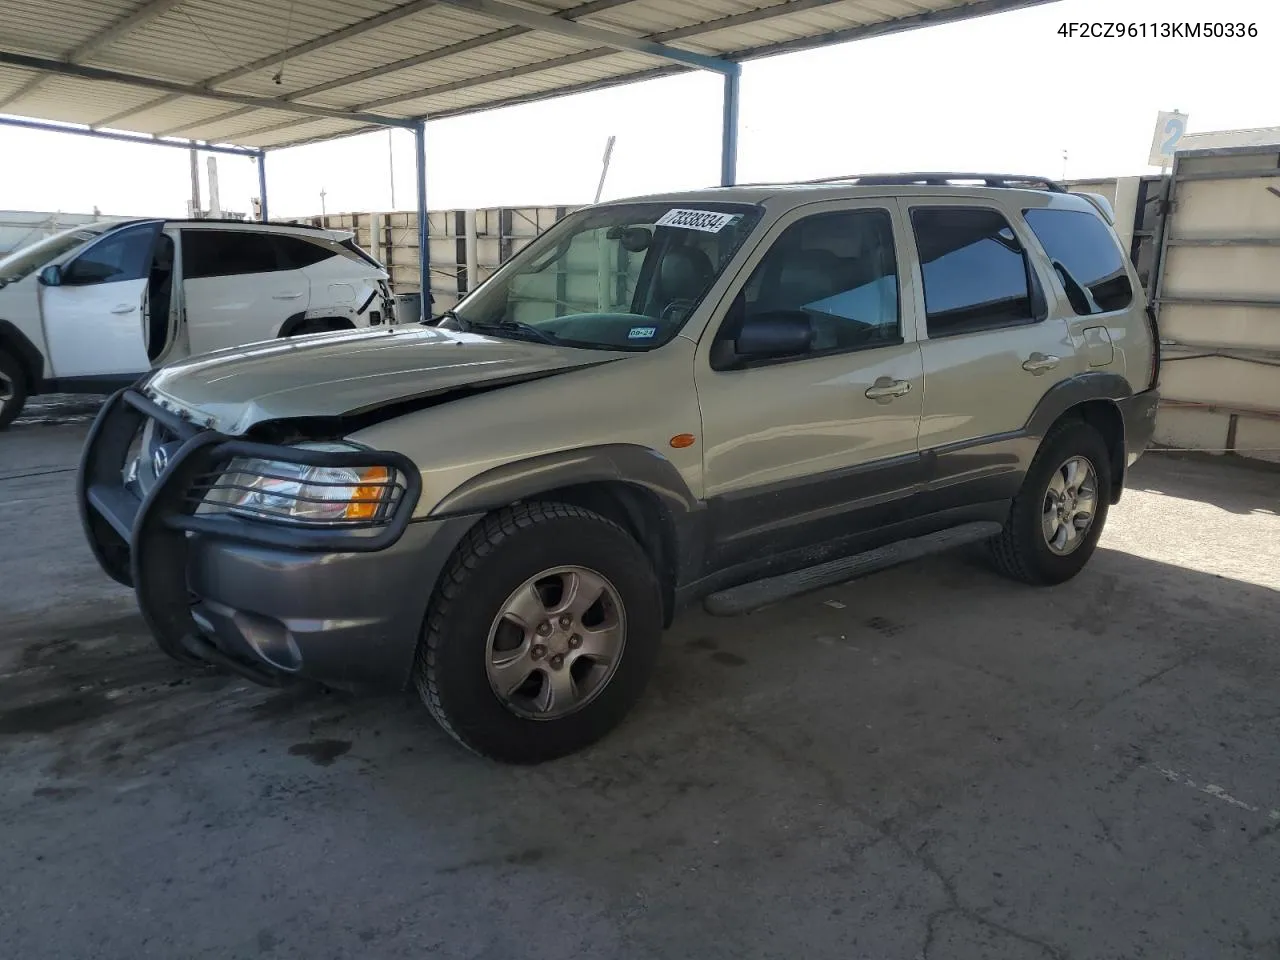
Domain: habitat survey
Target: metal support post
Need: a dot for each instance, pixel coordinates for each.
(729, 133)
(262, 184)
(195, 185)
(424, 252)
(469, 247)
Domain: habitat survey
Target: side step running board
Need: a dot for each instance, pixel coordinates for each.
(752, 596)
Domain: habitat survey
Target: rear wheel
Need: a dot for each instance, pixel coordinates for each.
(13, 389)
(542, 634)
(1058, 515)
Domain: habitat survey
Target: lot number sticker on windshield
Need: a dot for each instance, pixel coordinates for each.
(705, 220)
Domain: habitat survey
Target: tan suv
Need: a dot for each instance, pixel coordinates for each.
(728, 395)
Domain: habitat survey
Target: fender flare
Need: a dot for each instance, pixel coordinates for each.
(292, 323)
(617, 462)
(1062, 396)
(14, 341)
(681, 513)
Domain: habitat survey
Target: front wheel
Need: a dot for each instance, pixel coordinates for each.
(13, 389)
(1058, 515)
(541, 635)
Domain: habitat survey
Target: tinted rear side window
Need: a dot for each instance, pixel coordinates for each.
(227, 253)
(1085, 257)
(975, 270)
(299, 252)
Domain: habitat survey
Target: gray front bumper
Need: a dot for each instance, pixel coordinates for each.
(349, 620)
(269, 602)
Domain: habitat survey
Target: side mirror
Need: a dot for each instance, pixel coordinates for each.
(51, 276)
(784, 333)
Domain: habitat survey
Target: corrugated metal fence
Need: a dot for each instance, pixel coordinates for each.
(1206, 241)
(1218, 294)
(462, 243)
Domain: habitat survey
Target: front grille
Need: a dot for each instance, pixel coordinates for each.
(140, 461)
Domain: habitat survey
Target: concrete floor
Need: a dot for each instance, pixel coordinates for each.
(930, 763)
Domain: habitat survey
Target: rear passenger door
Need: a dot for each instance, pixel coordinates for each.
(808, 448)
(334, 275)
(994, 343)
(237, 287)
(1105, 318)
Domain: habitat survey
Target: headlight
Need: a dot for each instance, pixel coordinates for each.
(298, 493)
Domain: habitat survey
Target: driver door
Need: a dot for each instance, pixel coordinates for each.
(95, 307)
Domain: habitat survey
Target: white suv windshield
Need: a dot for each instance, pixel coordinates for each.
(30, 259)
(623, 277)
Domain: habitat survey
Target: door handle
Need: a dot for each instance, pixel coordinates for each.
(886, 388)
(1038, 363)
(285, 296)
(123, 308)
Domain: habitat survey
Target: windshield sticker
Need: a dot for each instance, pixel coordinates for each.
(642, 333)
(704, 220)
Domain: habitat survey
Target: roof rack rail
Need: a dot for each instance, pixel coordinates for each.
(942, 179)
(250, 222)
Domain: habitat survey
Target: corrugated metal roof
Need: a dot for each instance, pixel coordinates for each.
(273, 73)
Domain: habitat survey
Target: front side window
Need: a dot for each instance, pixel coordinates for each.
(1085, 257)
(624, 276)
(28, 260)
(123, 255)
(227, 253)
(839, 270)
(976, 274)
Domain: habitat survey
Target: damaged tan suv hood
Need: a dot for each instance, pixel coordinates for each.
(350, 373)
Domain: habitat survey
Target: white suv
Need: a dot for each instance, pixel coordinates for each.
(93, 308)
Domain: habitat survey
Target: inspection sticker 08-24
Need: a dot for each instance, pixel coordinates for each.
(705, 220)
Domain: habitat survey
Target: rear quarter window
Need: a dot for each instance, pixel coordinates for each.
(1086, 258)
(299, 252)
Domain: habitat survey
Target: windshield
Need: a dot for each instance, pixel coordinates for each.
(30, 259)
(620, 277)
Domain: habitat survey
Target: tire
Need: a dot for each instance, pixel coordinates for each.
(494, 564)
(13, 389)
(1022, 551)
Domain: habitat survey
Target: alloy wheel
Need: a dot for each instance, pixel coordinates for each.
(1070, 504)
(556, 642)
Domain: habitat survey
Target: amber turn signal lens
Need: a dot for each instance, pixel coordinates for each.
(682, 440)
(368, 495)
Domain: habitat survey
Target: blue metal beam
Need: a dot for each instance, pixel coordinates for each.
(729, 133)
(84, 72)
(125, 137)
(262, 184)
(523, 16)
(424, 250)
